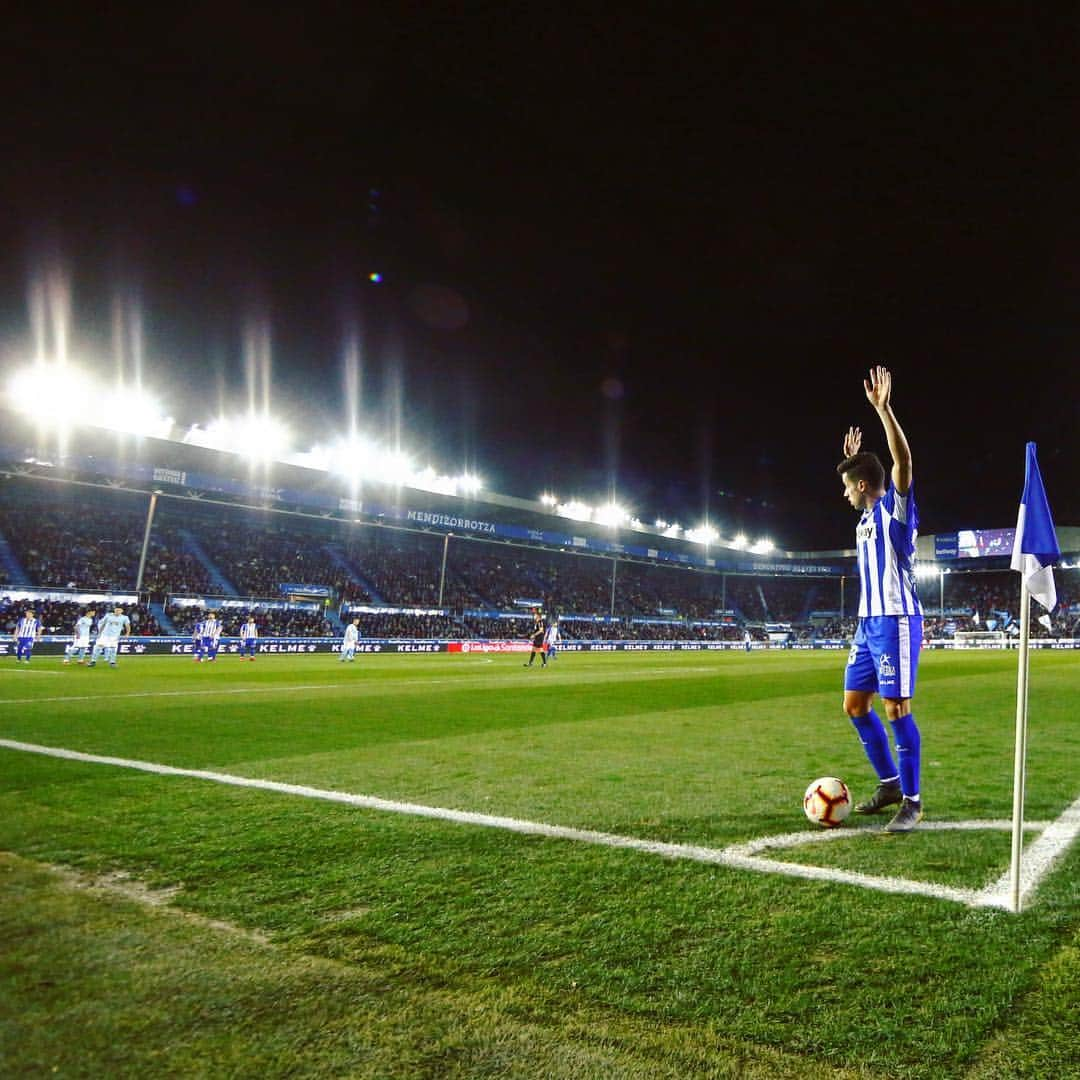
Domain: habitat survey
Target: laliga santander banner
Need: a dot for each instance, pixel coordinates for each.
(488, 646)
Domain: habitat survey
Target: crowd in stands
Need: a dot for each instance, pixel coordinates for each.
(256, 560)
(409, 626)
(74, 539)
(398, 567)
(171, 568)
(278, 622)
(59, 616)
(74, 546)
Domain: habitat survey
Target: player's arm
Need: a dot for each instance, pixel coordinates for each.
(879, 393)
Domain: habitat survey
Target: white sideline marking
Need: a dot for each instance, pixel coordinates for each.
(1056, 836)
(26, 671)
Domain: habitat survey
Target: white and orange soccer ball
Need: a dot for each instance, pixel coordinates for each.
(827, 801)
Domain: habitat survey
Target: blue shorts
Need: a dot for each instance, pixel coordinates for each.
(884, 657)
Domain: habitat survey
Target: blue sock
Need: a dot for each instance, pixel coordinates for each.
(908, 750)
(876, 744)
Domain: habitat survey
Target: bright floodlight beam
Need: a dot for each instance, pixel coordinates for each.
(54, 394)
(610, 514)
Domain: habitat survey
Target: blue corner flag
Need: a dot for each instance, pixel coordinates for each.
(1035, 549)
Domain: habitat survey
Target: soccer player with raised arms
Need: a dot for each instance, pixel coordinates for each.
(884, 656)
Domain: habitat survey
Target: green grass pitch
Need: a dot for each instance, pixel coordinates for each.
(170, 925)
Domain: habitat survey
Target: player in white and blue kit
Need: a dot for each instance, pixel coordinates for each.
(884, 656)
(80, 642)
(196, 640)
(211, 632)
(27, 631)
(551, 638)
(348, 642)
(110, 628)
(249, 638)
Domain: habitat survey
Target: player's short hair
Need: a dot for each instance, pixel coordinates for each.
(864, 466)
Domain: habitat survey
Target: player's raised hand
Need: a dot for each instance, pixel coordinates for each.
(878, 387)
(852, 441)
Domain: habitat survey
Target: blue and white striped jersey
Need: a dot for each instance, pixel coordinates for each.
(249, 630)
(885, 540)
(27, 626)
(197, 630)
(211, 629)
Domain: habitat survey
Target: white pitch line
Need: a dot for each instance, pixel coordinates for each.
(741, 856)
(1037, 859)
(26, 671)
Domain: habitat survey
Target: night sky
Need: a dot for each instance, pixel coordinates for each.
(649, 256)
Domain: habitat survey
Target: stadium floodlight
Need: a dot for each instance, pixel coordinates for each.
(260, 438)
(925, 571)
(610, 514)
(575, 510)
(703, 534)
(762, 547)
(739, 542)
(134, 412)
(427, 479)
(660, 524)
(54, 394)
(392, 467)
(673, 530)
(59, 395)
(468, 484)
(350, 458)
(548, 499)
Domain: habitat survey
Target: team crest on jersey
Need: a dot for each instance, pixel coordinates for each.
(885, 667)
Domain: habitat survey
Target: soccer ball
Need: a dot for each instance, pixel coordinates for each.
(827, 801)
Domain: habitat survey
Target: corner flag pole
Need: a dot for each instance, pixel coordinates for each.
(1035, 550)
(1020, 754)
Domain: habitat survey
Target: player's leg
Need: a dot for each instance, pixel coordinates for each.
(860, 686)
(898, 668)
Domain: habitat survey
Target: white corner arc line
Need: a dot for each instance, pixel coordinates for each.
(1055, 838)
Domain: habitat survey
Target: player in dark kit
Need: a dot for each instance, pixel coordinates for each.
(536, 638)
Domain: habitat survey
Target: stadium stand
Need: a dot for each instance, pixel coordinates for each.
(74, 537)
